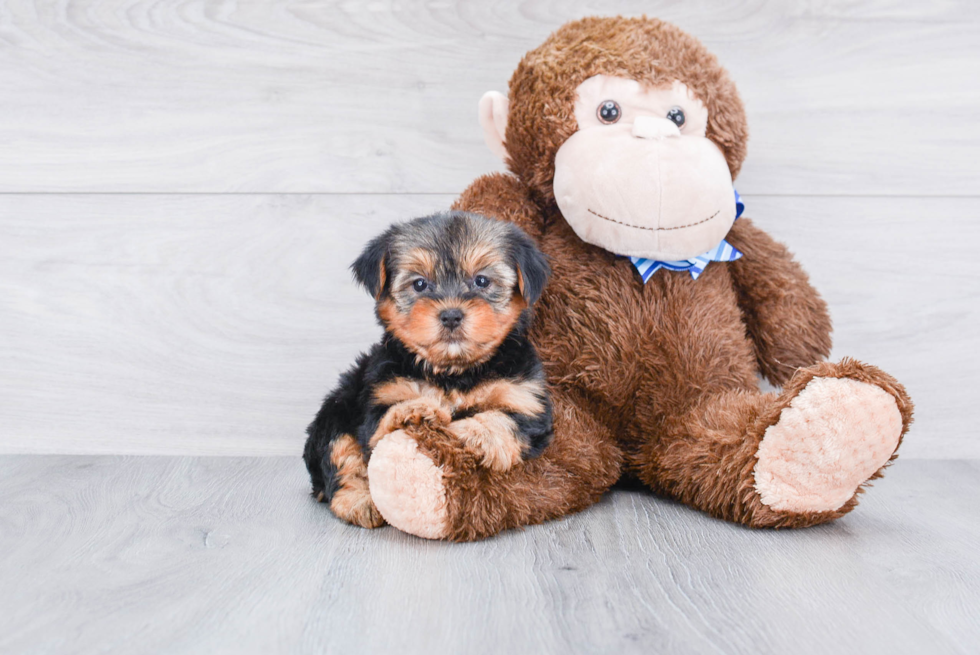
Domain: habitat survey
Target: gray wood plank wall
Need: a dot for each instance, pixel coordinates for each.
(182, 186)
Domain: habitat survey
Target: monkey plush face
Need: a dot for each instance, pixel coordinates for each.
(639, 177)
(632, 129)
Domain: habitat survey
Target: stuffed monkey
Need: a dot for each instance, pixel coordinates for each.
(623, 137)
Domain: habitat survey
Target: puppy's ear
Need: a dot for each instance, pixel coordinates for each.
(532, 265)
(370, 268)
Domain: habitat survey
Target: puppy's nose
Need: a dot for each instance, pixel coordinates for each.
(451, 318)
(649, 127)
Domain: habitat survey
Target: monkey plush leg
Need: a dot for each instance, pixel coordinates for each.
(427, 483)
(790, 460)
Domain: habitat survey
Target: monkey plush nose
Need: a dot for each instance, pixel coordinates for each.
(451, 318)
(648, 127)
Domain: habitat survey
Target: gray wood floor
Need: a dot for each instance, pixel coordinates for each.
(202, 555)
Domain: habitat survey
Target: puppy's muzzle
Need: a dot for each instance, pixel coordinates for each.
(451, 318)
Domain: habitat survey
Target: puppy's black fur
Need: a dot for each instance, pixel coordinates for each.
(447, 241)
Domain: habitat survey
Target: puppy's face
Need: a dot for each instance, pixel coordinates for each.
(451, 286)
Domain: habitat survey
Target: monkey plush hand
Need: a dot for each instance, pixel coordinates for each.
(623, 137)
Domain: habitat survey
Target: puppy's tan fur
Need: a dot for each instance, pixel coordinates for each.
(482, 333)
(352, 500)
(492, 435)
(489, 431)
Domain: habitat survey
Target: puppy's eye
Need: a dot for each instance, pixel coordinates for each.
(676, 115)
(481, 281)
(609, 112)
(420, 284)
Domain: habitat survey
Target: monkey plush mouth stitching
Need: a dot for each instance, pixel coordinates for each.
(655, 229)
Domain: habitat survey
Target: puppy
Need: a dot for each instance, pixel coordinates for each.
(453, 293)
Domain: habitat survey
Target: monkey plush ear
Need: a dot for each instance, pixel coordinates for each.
(369, 268)
(532, 266)
(493, 120)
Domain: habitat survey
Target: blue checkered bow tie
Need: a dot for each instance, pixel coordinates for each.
(723, 252)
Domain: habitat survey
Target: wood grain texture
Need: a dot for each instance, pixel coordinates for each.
(299, 96)
(206, 308)
(215, 324)
(203, 555)
(205, 324)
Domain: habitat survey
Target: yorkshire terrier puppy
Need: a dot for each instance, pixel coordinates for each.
(453, 294)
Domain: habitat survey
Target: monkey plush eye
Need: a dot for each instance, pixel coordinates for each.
(676, 114)
(481, 281)
(609, 112)
(420, 284)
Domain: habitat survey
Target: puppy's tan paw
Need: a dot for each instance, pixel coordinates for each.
(354, 505)
(491, 435)
(412, 413)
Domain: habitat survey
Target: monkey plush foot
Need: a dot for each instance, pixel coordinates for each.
(426, 482)
(835, 434)
(408, 487)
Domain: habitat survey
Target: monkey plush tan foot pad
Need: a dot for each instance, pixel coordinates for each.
(407, 487)
(834, 436)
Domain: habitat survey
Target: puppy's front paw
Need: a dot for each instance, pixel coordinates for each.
(491, 435)
(412, 413)
(416, 412)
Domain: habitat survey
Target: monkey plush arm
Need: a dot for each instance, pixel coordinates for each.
(785, 316)
(504, 197)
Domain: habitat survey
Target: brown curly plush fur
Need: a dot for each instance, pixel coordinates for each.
(542, 89)
(574, 472)
(656, 380)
